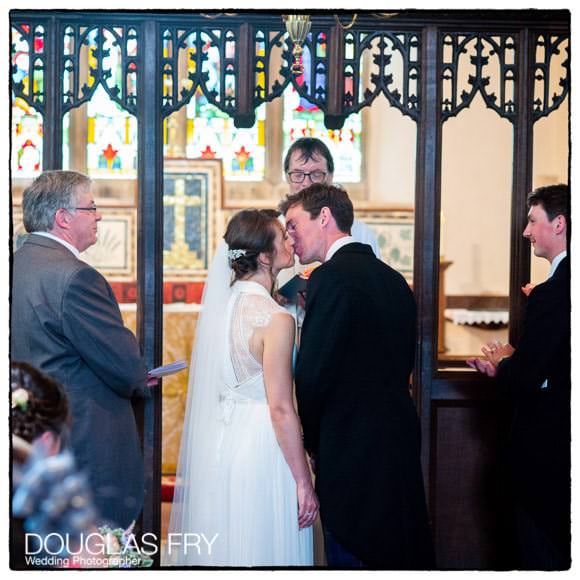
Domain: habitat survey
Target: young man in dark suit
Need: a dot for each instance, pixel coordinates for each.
(65, 321)
(536, 376)
(352, 386)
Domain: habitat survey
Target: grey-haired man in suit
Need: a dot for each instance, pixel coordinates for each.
(65, 320)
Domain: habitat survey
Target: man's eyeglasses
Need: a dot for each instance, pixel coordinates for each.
(92, 207)
(298, 176)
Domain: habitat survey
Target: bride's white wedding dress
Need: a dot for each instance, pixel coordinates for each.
(251, 503)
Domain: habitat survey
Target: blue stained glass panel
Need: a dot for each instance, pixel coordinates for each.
(193, 227)
(168, 226)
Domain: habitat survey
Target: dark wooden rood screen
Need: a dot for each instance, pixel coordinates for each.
(460, 415)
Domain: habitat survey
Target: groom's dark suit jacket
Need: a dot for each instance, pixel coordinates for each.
(352, 384)
(540, 435)
(65, 321)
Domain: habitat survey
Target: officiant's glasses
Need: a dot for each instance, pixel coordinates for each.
(299, 176)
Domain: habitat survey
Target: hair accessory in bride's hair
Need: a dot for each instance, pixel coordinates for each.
(235, 254)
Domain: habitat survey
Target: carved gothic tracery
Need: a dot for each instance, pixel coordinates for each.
(273, 61)
(192, 47)
(29, 64)
(100, 55)
(552, 57)
(257, 70)
(479, 63)
(388, 63)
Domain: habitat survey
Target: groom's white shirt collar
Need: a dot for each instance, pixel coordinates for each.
(337, 245)
(60, 241)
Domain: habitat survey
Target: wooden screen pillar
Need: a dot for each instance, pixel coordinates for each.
(150, 265)
(426, 250)
(334, 117)
(245, 116)
(52, 121)
(522, 185)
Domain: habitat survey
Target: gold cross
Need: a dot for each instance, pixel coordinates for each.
(180, 256)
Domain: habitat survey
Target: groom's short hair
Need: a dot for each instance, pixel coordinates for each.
(319, 195)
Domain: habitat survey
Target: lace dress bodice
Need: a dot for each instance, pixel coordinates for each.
(251, 308)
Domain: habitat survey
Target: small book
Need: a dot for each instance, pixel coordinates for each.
(168, 369)
(292, 287)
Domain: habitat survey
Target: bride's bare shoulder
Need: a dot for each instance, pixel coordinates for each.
(281, 322)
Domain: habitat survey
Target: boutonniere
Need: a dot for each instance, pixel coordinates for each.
(305, 275)
(527, 289)
(20, 399)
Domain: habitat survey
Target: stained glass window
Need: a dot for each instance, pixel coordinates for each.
(111, 138)
(111, 131)
(303, 119)
(21, 56)
(26, 140)
(210, 133)
(26, 120)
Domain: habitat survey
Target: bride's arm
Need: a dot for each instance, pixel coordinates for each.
(277, 364)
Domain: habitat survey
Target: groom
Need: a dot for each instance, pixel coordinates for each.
(352, 386)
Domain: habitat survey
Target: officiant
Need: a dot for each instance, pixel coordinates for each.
(65, 320)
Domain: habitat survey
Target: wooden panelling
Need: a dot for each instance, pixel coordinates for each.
(467, 492)
(478, 302)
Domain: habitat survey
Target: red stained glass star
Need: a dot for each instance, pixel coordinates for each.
(242, 155)
(110, 153)
(208, 153)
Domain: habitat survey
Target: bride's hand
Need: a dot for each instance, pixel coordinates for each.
(307, 504)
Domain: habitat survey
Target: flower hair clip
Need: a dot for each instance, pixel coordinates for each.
(20, 399)
(235, 254)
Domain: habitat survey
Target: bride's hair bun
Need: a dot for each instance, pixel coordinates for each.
(254, 231)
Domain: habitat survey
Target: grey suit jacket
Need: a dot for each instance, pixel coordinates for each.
(65, 320)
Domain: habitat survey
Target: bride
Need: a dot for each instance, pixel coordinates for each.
(244, 495)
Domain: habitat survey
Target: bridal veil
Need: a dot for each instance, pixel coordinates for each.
(196, 502)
